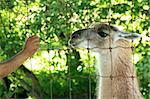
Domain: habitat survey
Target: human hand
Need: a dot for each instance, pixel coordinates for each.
(31, 46)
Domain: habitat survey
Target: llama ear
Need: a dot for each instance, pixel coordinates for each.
(128, 36)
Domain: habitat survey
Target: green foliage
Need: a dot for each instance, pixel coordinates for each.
(55, 70)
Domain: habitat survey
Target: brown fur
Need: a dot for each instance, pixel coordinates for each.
(124, 81)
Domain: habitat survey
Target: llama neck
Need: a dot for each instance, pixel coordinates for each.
(117, 63)
(103, 67)
(118, 59)
(103, 64)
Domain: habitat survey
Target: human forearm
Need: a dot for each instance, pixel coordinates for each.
(12, 64)
(31, 46)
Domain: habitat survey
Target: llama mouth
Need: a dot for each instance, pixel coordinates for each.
(71, 44)
(76, 45)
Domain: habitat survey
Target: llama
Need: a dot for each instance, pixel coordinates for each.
(116, 76)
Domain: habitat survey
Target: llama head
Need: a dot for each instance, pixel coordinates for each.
(99, 36)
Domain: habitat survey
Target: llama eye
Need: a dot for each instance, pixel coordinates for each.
(102, 34)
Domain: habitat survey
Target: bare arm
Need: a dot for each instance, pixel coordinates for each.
(31, 46)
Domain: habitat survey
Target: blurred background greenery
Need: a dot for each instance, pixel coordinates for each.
(56, 71)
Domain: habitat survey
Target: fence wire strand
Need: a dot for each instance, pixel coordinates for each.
(132, 49)
(110, 47)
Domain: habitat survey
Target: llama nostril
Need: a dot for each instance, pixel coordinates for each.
(75, 36)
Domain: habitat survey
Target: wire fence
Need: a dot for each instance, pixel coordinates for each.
(58, 80)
